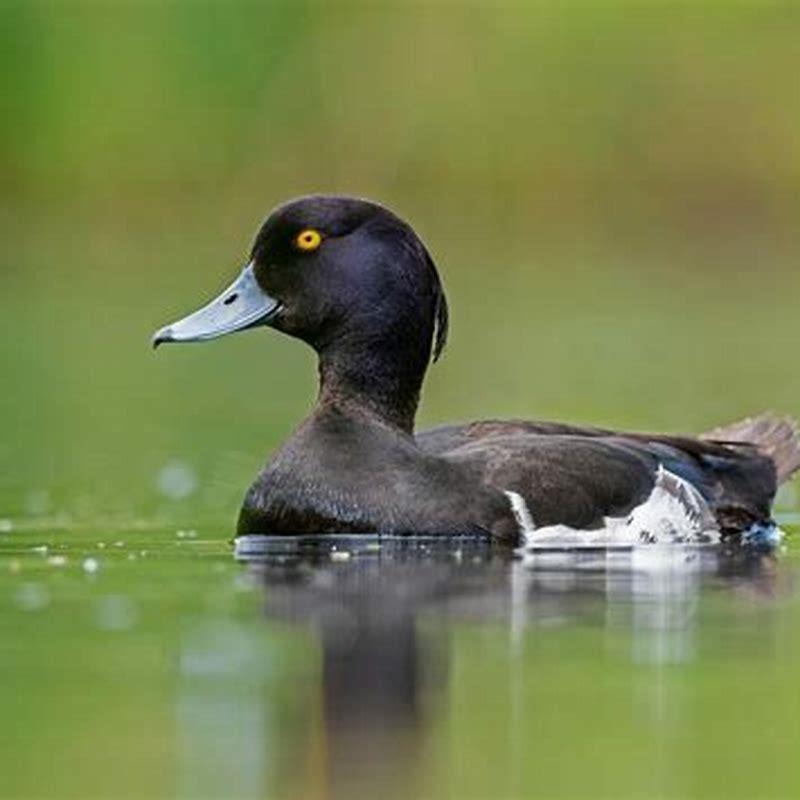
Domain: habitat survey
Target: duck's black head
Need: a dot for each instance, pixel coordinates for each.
(351, 279)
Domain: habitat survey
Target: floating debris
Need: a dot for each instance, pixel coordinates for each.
(6, 526)
(42, 548)
(101, 545)
(190, 534)
(57, 561)
(340, 555)
(15, 566)
(176, 480)
(90, 565)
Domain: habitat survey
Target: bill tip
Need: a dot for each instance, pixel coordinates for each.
(161, 336)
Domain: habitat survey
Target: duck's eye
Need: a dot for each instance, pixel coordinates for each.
(308, 240)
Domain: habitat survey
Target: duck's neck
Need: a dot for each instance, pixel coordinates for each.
(368, 379)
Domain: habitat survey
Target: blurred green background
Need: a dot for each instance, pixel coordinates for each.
(609, 188)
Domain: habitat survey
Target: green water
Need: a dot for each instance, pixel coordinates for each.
(140, 660)
(610, 192)
(140, 663)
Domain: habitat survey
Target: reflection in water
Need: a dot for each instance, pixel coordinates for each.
(221, 668)
(379, 671)
(651, 591)
(384, 623)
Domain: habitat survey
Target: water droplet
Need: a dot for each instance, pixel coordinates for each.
(90, 565)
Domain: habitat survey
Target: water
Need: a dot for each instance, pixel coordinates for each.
(140, 659)
(153, 663)
(612, 205)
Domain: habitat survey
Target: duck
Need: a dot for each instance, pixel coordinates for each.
(352, 280)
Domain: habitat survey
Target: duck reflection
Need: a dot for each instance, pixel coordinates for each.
(384, 623)
(384, 655)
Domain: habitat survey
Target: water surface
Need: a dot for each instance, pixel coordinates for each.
(152, 663)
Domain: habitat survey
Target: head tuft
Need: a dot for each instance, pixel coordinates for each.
(442, 311)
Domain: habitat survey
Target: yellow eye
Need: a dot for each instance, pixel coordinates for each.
(308, 240)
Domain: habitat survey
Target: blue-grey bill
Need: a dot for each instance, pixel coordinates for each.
(244, 304)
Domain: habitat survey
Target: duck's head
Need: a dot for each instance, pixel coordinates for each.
(348, 277)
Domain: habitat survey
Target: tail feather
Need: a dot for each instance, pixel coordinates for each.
(774, 436)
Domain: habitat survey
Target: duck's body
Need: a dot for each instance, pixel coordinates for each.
(344, 472)
(355, 282)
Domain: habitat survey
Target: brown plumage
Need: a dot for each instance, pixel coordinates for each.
(770, 434)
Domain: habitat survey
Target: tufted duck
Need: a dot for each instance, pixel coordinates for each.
(352, 280)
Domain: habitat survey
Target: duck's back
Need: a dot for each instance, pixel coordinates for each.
(578, 477)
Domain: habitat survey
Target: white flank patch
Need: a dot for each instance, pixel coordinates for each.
(521, 513)
(674, 513)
